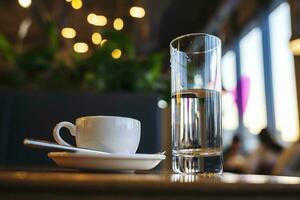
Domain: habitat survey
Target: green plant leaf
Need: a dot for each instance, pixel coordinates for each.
(6, 50)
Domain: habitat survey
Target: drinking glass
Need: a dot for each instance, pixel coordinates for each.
(196, 104)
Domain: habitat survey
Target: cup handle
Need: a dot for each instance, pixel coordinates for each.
(56, 132)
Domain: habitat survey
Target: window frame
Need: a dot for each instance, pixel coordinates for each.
(261, 21)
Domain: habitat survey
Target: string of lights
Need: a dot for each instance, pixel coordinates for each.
(95, 20)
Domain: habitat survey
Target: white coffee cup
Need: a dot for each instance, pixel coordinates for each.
(104, 133)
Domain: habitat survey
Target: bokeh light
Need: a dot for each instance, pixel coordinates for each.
(96, 38)
(116, 53)
(101, 20)
(91, 18)
(68, 32)
(137, 12)
(80, 47)
(76, 4)
(97, 20)
(103, 42)
(25, 3)
(118, 24)
(295, 47)
(24, 27)
(162, 104)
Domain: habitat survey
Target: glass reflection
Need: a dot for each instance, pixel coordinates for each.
(190, 178)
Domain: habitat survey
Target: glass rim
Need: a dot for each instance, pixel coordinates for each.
(195, 34)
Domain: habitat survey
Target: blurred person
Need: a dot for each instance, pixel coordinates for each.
(262, 160)
(288, 163)
(234, 161)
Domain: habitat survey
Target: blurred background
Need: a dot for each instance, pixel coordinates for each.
(63, 59)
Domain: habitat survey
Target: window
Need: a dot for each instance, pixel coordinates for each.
(284, 86)
(229, 104)
(252, 81)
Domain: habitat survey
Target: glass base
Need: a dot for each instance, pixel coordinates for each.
(198, 164)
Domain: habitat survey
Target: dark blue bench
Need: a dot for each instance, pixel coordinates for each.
(34, 114)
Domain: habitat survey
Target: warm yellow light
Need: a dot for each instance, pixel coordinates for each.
(76, 4)
(25, 3)
(295, 47)
(96, 38)
(80, 47)
(68, 32)
(137, 12)
(103, 41)
(118, 24)
(116, 54)
(91, 18)
(101, 20)
(97, 20)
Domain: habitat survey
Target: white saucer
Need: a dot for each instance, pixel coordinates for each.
(106, 162)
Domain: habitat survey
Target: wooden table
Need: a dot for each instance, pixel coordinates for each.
(76, 185)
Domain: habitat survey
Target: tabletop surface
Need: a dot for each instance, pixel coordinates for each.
(78, 185)
(76, 180)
